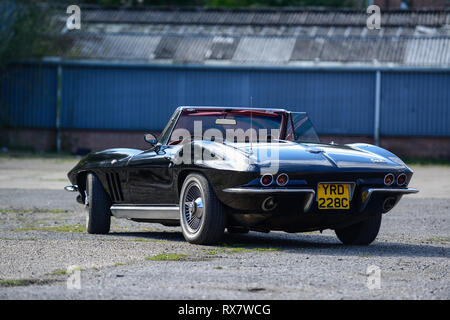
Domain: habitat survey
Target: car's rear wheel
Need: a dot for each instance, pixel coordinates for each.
(97, 204)
(362, 233)
(202, 215)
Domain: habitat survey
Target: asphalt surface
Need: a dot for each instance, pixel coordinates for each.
(41, 235)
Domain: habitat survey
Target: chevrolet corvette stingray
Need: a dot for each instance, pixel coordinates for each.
(242, 169)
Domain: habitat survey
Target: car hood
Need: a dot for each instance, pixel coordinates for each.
(317, 156)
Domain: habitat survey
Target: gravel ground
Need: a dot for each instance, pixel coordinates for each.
(41, 235)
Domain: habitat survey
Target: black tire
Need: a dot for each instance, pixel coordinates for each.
(98, 213)
(205, 223)
(362, 233)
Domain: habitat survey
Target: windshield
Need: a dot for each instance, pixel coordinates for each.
(168, 129)
(239, 125)
(303, 128)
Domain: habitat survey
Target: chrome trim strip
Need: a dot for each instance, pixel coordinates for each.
(388, 190)
(162, 212)
(404, 191)
(268, 190)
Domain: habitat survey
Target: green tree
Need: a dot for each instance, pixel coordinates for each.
(27, 29)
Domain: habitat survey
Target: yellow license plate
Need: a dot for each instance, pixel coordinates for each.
(333, 196)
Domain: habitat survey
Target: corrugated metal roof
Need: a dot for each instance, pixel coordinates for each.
(262, 50)
(307, 49)
(238, 30)
(270, 50)
(192, 49)
(427, 51)
(114, 46)
(263, 37)
(222, 48)
(278, 16)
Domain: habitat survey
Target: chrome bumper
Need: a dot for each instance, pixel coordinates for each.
(310, 193)
(268, 190)
(371, 191)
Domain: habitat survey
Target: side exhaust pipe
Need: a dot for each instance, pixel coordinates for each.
(389, 203)
(269, 204)
(72, 188)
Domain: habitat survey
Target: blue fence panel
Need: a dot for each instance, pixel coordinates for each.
(337, 102)
(28, 96)
(142, 98)
(415, 103)
(139, 99)
(116, 98)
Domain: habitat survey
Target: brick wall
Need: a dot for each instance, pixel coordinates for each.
(73, 140)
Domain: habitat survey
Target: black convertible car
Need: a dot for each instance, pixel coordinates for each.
(242, 169)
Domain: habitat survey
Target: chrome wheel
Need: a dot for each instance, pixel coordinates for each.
(202, 216)
(193, 207)
(86, 207)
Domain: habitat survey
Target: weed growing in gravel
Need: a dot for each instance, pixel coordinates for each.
(267, 249)
(218, 268)
(21, 282)
(27, 211)
(236, 248)
(57, 272)
(11, 211)
(62, 271)
(439, 239)
(13, 282)
(167, 257)
(71, 228)
(56, 211)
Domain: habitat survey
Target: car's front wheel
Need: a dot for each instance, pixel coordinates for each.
(202, 215)
(97, 203)
(362, 233)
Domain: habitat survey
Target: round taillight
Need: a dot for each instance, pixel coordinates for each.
(389, 179)
(282, 179)
(266, 179)
(401, 179)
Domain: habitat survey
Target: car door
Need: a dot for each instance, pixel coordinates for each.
(150, 177)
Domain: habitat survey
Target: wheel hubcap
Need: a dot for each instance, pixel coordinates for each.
(193, 207)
